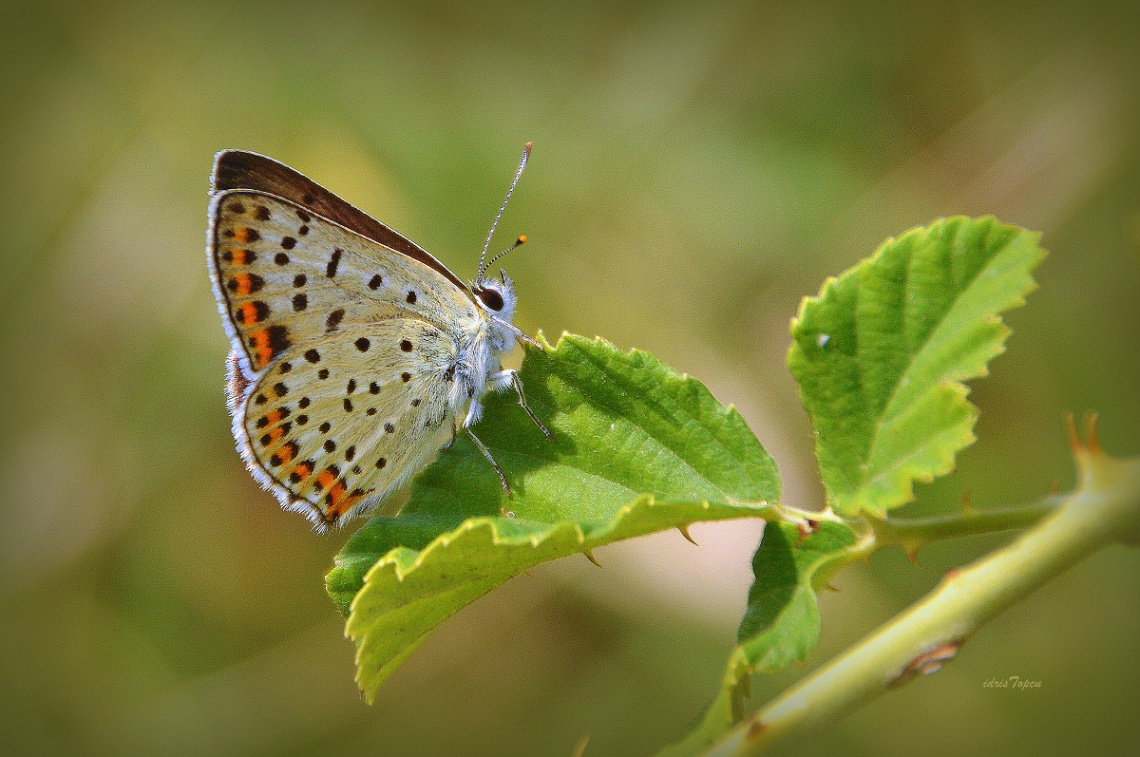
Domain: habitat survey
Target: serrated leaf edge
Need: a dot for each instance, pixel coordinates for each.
(491, 525)
(903, 477)
(677, 378)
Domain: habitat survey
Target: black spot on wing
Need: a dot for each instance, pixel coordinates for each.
(334, 261)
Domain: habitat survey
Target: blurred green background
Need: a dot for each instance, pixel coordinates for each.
(697, 169)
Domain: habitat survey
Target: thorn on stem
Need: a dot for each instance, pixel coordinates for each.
(1071, 429)
(912, 552)
(1092, 435)
(590, 556)
(1090, 448)
(755, 729)
(580, 747)
(967, 508)
(685, 532)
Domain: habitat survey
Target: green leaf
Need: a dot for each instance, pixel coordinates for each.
(880, 355)
(781, 624)
(637, 449)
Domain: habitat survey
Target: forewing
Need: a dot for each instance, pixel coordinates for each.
(240, 169)
(285, 275)
(339, 422)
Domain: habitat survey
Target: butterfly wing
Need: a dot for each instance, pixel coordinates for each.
(284, 275)
(340, 421)
(337, 339)
(239, 169)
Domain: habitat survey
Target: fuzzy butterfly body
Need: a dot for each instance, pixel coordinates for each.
(354, 350)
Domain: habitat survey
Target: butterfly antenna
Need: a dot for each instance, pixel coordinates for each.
(518, 243)
(483, 256)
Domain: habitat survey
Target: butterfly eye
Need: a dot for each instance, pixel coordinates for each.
(491, 299)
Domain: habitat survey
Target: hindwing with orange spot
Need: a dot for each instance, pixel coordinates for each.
(336, 424)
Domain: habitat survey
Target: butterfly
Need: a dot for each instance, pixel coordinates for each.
(354, 351)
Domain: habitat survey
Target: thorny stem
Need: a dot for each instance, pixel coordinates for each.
(1104, 509)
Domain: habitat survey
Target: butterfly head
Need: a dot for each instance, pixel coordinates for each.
(496, 297)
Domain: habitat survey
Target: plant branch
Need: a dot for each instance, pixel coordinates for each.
(1104, 509)
(912, 534)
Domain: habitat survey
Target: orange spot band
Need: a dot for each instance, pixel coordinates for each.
(326, 479)
(259, 342)
(286, 453)
(248, 314)
(341, 500)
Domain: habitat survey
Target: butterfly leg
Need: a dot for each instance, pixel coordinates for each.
(502, 380)
(487, 454)
(519, 335)
(454, 433)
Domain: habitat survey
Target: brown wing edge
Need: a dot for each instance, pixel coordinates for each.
(240, 169)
